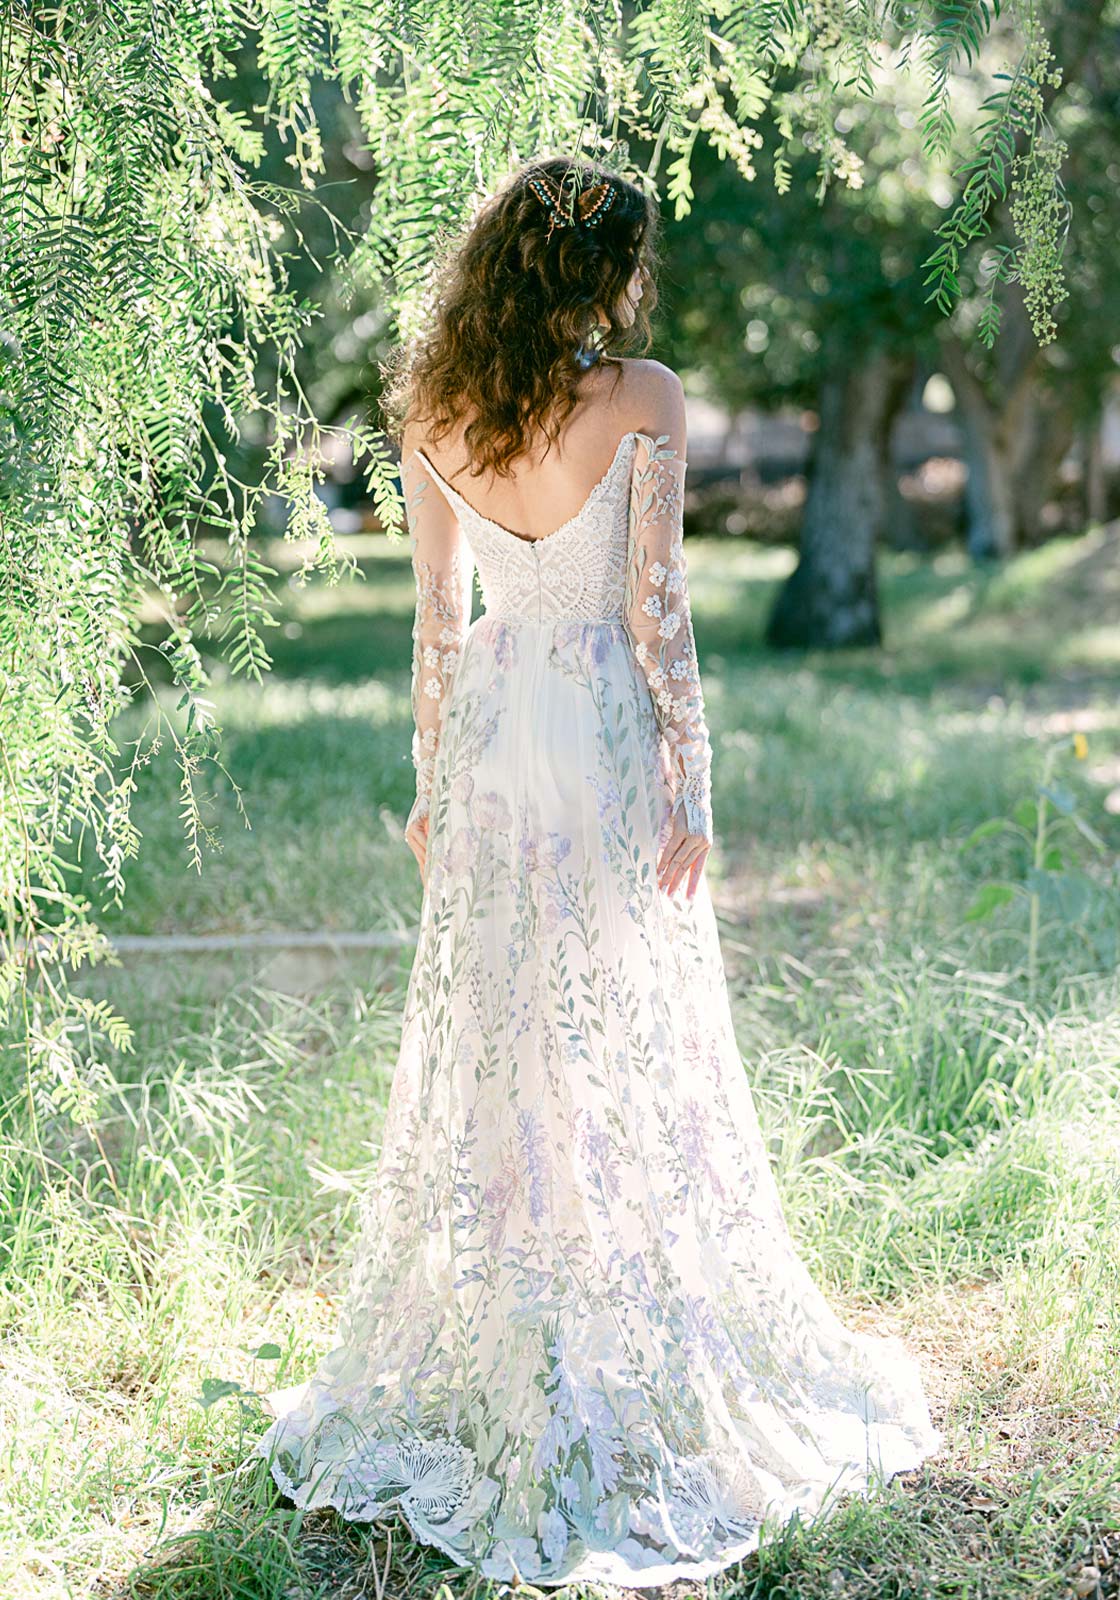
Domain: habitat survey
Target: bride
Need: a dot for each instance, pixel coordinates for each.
(578, 1343)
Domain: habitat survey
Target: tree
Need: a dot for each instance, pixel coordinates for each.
(829, 309)
(146, 280)
(1022, 403)
(823, 306)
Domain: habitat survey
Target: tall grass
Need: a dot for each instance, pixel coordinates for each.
(946, 1133)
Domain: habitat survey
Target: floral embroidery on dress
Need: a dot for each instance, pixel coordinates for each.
(443, 572)
(659, 619)
(577, 1342)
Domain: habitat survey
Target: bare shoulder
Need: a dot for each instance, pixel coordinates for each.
(644, 376)
(412, 438)
(654, 400)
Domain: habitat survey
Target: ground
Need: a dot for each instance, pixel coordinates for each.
(941, 1095)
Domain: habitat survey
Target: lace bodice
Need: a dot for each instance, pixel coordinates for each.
(575, 573)
(619, 559)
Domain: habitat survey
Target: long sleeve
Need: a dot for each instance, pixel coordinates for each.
(443, 568)
(659, 622)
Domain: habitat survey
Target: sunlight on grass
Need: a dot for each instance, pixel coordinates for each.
(946, 1139)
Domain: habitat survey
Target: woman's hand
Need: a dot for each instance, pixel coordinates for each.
(416, 837)
(682, 856)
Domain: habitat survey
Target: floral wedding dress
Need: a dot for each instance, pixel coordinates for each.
(578, 1343)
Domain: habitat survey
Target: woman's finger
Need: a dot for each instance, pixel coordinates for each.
(679, 871)
(694, 866)
(694, 851)
(663, 861)
(416, 837)
(671, 859)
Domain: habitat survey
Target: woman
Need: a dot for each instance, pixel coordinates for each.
(578, 1343)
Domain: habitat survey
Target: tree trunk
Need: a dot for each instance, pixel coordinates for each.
(1096, 478)
(989, 494)
(995, 424)
(999, 506)
(1044, 437)
(831, 599)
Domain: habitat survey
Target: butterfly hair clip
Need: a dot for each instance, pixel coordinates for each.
(591, 205)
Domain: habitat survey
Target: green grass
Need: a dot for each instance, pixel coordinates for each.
(946, 1133)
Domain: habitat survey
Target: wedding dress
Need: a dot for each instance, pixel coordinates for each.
(578, 1343)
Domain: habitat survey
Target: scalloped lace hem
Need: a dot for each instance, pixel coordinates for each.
(609, 1566)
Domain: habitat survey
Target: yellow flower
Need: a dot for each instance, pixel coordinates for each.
(1080, 746)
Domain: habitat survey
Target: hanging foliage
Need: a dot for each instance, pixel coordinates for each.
(144, 281)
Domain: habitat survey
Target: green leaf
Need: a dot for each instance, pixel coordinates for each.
(991, 896)
(1061, 799)
(986, 830)
(1026, 815)
(215, 1389)
(1088, 833)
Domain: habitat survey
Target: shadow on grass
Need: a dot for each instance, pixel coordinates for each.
(946, 631)
(322, 748)
(1046, 1529)
(946, 622)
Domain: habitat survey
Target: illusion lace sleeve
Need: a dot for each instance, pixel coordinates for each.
(659, 622)
(443, 567)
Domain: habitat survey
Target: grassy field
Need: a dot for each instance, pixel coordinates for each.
(941, 1095)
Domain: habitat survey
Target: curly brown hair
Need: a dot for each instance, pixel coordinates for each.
(517, 301)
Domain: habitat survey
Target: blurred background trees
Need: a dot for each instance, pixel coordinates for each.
(214, 219)
(212, 225)
(820, 312)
